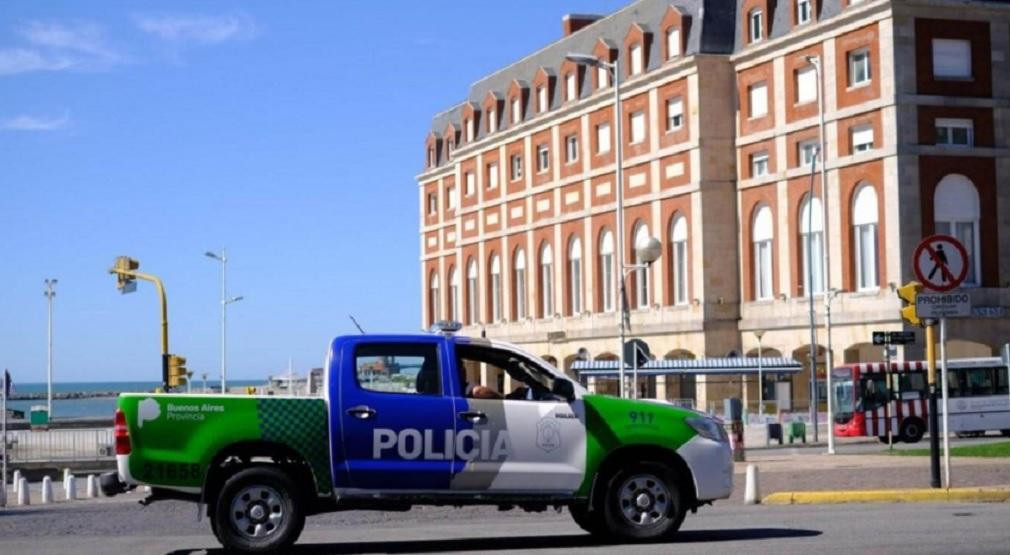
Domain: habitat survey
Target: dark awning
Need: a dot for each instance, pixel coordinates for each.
(718, 366)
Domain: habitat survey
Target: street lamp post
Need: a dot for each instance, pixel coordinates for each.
(225, 301)
(761, 383)
(50, 292)
(826, 260)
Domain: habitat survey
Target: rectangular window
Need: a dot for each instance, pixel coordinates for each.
(492, 121)
(674, 113)
(432, 203)
(448, 149)
(866, 255)
(804, 11)
(673, 43)
(636, 59)
(602, 76)
(470, 184)
(680, 272)
(806, 85)
(806, 150)
(431, 157)
(517, 167)
(862, 138)
(758, 164)
(637, 127)
(492, 176)
(469, 130)
(607, 277)
(571, 149)
(859, 67)
(571, 92)
(543, 158)
(451, 198)
(955, 132)
(756, 26)
(758, 96)
(763, 269)
(603, 138)
(406, 368)
(951, 59)
(541, 99)
(516, 111)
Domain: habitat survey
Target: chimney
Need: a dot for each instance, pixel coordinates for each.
(574, 21)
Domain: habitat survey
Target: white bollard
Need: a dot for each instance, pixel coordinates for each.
(47, 490)
(16, 481)
(751, 492)
(92, 486)
(24, 496)
(71, 489)
(66, 474)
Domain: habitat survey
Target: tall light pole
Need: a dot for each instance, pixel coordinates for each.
(615, 72)
(225, 301)
(761, 383)
(50, 292)
(823, 148)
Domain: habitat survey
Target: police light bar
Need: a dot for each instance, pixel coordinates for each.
(447, 327)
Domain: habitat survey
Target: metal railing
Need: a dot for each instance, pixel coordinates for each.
(60, 445)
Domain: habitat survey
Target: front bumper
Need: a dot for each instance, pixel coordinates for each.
(711, 464)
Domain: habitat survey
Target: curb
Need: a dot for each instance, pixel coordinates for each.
(954, 495)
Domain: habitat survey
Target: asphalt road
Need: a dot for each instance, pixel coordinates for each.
(115, 526)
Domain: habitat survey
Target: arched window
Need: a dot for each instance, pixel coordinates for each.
(864, 237)
(678, 262)
(519, 284)
(434, 299)
(575, 276)
(471, 293)
(956, 213)
(453, 294)
(546, 281)
(812, 245)
(495, 289)
(762, 235)
(641, 236)
(607, 271)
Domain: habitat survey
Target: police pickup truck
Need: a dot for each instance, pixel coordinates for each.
(422, 420)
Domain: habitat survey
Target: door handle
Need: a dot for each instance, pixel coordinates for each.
(474, 416)
(361, 412)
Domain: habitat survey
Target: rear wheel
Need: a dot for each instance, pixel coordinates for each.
(258, 511)
(643, 502)
(912, 430)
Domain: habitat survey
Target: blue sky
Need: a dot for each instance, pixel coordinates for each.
(288, 132)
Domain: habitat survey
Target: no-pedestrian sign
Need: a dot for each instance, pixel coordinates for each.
(940, 263)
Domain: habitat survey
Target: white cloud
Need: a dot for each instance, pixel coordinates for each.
(197, 29)
(36, 123)
(59, 46)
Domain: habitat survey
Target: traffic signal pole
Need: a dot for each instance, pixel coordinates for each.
(934, 428)
(122, 270)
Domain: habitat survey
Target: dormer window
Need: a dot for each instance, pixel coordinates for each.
(636, 59)
(571, 88)
(431, 156)
(492, 120)
(756, 25)
(517, 114)
(603, 77)
(804, 12)
(469, 130)
(541, 100)
(448, 149)
(672, 43)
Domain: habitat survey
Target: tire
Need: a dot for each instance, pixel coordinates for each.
(642, 502)
(912, 430)
(590, 521)
(258, 511)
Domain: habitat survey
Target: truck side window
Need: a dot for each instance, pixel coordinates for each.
(529, 381)
(410, 368)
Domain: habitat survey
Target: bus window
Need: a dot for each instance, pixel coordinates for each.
(980, 382)
(954, 383)
(912, 385)
(1001, 381)
(874, 394)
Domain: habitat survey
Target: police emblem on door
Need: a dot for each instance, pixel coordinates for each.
(548, 434)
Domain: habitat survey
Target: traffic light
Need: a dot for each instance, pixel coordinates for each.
(907, 293)
(125, 282)
(176, 371)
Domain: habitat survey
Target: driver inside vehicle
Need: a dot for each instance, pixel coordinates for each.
(499, 362)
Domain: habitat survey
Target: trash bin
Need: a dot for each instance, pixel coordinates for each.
(797, 430)
(774, 432)
(38, 418)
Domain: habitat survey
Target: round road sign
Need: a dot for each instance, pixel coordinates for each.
(940, 262)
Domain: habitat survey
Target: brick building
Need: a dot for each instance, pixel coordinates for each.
(720, 112)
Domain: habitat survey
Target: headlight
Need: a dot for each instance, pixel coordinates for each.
(708, 428)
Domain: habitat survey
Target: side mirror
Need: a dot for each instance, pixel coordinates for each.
(563, 389)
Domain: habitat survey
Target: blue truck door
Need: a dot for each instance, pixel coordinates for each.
(396, 414)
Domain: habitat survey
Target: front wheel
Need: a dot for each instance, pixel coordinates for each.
(912, 430)
(258, 511)
(643, 502)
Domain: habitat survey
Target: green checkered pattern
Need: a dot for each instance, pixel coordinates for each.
(303, 425)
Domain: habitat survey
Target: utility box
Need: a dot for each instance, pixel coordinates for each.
(38, 418)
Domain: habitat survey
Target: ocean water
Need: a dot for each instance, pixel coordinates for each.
(97, 406)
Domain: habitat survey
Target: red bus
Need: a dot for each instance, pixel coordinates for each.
(866, 406)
